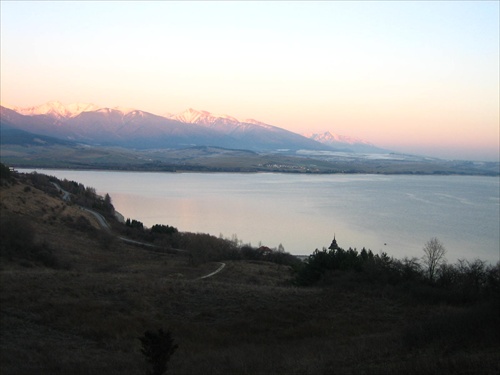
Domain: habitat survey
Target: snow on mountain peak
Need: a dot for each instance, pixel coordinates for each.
(57, 109)
(255, 122)
(329, 138)
(124, 110)
(193, 116)
(105, 110)
(227, 117)
(75, 109)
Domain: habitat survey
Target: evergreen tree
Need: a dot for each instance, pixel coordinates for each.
(158, 348)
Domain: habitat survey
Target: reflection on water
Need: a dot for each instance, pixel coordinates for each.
(396, 214)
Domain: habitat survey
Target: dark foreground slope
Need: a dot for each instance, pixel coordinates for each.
(75, 300)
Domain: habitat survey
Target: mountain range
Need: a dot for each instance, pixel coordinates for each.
(133, 128)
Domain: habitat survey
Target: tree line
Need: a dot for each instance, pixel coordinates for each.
(204, 247)
(463, 282)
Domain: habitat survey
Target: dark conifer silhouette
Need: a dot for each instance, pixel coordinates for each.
(158, 348)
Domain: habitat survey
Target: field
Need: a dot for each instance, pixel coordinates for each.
(215, 159)
(80, 299)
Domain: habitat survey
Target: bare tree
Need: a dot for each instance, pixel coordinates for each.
(434, 253)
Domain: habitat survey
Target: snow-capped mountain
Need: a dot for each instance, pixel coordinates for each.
(255, 122)
(192, 116)
(344, 142)
(208, 119)
(57, 109)
(115, 127)
(329, 138)
(129, 127)
(221, 123)
(250, 134)
(138, 129)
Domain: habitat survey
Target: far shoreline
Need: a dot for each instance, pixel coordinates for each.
(232, 171)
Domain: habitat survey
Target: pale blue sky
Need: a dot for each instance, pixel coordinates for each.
(413, 76)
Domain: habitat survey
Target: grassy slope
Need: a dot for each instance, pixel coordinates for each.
(85, 315)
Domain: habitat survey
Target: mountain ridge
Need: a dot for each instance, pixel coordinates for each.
(112, 139)
(248, 133)
(135, 128)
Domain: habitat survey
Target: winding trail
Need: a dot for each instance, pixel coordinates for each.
(102, 221)
(222, 265)
(66, 196)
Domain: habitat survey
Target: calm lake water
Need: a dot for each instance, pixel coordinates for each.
(395, 214)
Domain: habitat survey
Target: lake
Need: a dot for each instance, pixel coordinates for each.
(397, 214)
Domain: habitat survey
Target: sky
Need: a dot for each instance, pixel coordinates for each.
(418, 77)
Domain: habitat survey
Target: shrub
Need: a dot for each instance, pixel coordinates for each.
(5, 173)
(163, 229)
(136, 224)
(44, 255)
(158, 348)
(16, 234)
(17, 240)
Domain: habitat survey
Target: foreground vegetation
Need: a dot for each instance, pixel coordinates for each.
(77, 299)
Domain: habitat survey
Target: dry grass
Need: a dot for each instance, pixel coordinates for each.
(42, 208)
(86, 317)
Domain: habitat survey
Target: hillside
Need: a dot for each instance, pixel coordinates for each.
(75, 299)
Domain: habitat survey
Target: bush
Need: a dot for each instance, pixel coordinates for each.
(158, 348)
(17, 236)
(5, 173)
(163, 229)
(17, 241)
(206, 248)
(374, 267)
(135, 224)
(43, 254)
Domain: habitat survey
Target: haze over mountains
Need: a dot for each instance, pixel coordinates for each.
(132, 128)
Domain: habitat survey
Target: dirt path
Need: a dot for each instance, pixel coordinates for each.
(65, 194)
(102, 221)
(222, 265)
